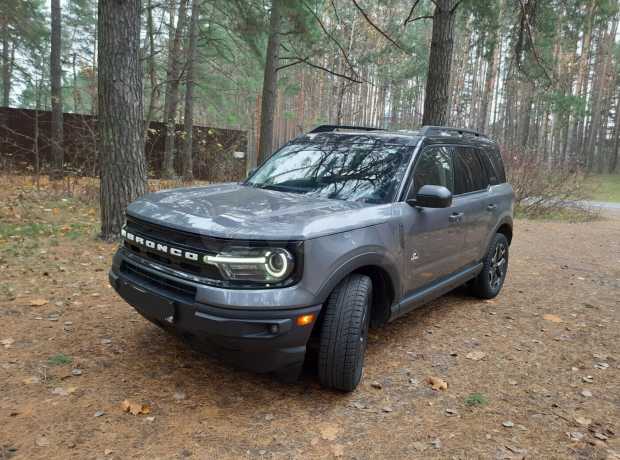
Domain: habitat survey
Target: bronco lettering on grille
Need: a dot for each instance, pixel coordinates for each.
(163, 248)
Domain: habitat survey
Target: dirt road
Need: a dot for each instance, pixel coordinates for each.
(534, 373)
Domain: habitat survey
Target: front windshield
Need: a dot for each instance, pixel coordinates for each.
(367, 172)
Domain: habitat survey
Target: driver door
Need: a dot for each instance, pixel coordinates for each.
(434, 238)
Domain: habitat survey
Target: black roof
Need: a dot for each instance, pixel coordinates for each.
(363, 134)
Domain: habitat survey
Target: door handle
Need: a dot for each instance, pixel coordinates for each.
(456, 217)
(492, 207)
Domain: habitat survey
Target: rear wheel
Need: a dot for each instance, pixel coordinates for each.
(344, 333)
(495, 265)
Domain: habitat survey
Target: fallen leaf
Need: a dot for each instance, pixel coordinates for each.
(38, 302)
(135, 408)
(42, 441)
(7, 342)
(575, 435)
(60, 391)
(583, 421)
(329, 431)
(437, 384)
(552, 318)
(475, 355)
(338, 450)
(31, 380)
(508, 424)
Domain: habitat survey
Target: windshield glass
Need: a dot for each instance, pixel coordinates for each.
(367, 172)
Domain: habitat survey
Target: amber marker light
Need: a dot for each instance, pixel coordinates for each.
(304, 320)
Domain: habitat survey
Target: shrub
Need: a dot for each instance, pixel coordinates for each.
(546, 190)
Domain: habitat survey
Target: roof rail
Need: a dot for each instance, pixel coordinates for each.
(430, 130)
(329, 128)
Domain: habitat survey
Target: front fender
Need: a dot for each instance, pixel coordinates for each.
(330, 259)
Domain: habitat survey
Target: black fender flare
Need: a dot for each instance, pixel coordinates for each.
(369, 258)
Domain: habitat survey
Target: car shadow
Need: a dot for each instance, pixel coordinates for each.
(174, 362)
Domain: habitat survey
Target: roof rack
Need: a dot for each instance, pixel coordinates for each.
(329, 128)
(430, 130)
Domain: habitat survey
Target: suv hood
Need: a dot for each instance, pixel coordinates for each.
(239, 211)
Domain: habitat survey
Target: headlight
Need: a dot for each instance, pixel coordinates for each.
(263, 265)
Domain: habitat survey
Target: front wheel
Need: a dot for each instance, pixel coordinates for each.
(344, 333)
(495, 266)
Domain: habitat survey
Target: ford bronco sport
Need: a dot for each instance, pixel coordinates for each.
(342, 228)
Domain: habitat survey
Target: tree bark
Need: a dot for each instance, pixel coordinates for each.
(120, 124)
(56, 94)
(270, 83)
(6, 64)
(154, 96)
(439, 64)
(187, 158)
(582, 80)
(172, 87)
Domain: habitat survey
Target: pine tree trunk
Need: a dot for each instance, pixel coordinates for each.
(613, 162)
(491, 75)
(591, 146)
(120, 125)
(582, 80)
(172, 88)
(187, 168)
(270, 83)
(6, 64)
(56, 94)
(154, 96)
(440, 62)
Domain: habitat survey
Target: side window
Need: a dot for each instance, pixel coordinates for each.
(470, 175)
(434, 167)
(498, 165)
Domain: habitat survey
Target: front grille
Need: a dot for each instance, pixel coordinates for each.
(179, 239)
(176, 288)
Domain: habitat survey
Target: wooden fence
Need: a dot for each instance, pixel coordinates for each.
(219, 154)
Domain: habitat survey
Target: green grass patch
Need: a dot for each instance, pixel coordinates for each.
(31, 230)
(605, 187)
(476, 399)
(43, 230)
(59, 360)
(564, 214)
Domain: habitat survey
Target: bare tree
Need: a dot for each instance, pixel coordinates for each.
(173, 76)
(120, 124)
(56, 80)
(187, 169)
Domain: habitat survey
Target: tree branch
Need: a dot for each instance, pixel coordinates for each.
(332, 38)
(374, 26)
(409, 16)
(298, 60)
(528, 29)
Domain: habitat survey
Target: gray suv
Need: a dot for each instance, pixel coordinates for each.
(341, 229)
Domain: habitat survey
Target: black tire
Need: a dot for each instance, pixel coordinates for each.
(491, 279)
(344, 333)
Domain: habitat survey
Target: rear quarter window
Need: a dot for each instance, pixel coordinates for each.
(495, 165)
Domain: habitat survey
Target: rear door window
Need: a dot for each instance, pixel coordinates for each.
(469, 173)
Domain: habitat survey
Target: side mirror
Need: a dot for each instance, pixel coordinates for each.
(432, 196)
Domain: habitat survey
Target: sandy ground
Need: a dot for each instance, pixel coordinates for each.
(531, 374)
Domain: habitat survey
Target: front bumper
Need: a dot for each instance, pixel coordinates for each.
(254, 338)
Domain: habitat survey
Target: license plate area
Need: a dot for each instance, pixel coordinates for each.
(151, 304)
